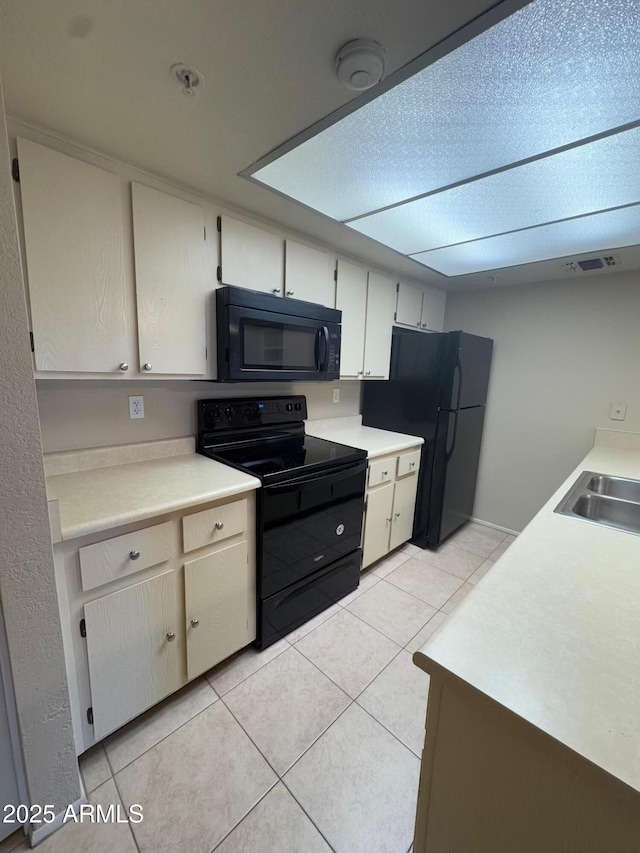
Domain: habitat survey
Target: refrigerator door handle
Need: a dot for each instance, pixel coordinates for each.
(458, 367)
(449, 451)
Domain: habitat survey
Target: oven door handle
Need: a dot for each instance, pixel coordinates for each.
(335, 475)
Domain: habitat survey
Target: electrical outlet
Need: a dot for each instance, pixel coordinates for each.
(336, 395)
(136, 407)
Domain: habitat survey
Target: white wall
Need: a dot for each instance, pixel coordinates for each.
(94, 413)
(27, 583)
(564, 350)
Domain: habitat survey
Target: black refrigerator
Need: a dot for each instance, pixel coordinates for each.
(437, 389)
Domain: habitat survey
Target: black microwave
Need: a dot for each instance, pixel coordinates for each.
(261, 338)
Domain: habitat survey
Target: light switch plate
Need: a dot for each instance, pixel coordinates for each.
(618, 411)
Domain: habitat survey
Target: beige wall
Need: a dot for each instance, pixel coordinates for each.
(27, 584)
(564, 351)
(77, 413)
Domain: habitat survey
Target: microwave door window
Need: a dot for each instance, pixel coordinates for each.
(274, 346)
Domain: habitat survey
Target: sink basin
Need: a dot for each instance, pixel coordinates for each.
(623, 515)
(615, 487)
(601, 499)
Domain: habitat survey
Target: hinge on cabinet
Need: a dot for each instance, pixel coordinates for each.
(397, 287)
(15, 170)
(83, 628)
(90, 716)
(366, 504)
(219, 224)
(395, 315)
(335, 275)
(33, 348)
(205, 232)
(219, 273)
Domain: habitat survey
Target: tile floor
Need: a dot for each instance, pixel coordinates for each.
(311, 745)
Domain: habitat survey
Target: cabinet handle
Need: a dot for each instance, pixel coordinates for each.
(146, 366)
(289, 292)
(133, 555)
(123, 366)
(219, 525)
(170, 636)
(277, 289)
(195, 623)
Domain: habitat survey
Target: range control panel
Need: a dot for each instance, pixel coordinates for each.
(216, 415)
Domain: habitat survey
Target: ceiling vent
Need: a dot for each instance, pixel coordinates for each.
(588, 264)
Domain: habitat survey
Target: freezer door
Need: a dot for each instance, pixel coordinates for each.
(455, 472)
(466, 367)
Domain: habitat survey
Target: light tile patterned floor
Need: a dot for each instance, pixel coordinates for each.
(310, 746)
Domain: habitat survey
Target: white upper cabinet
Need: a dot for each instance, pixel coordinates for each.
(74, 239)
(251, 257)
(171, 282)
(308, 274)
(367, 301)
(351, 299)
(381, 299)
(420, 307)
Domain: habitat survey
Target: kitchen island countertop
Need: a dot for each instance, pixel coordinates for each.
(552, 632)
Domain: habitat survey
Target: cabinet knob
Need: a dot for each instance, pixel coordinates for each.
(388, 520)
(419, 323)
(219, 525)
(171, 636)
(359, 373)
(412, 464)
(396, 514)
(123, 366)
(289, 292)
(195, 623)
(384, 473)
(277, 289)
(424, 325)
(368, 373)
(146, 366)
(133, 555)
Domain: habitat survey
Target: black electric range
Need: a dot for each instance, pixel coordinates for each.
(309, 509)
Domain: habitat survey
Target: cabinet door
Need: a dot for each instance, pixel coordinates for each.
(73, 231)
(308, 274)
(433, 302)
(404, 507)
(351, 299)
(381, 300)
(251, 257)
(377, 524)
(134, 661)
(220, 600)
(171, 282)
(409, 305)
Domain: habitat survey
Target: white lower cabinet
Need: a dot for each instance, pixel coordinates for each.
(131, 646)
(154, 617)
(391, 501)
(220, 607)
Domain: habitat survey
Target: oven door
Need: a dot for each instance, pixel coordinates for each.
(308, 523)
(259, 345)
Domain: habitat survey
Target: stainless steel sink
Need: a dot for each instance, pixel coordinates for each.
(615, 487)
(601, 499)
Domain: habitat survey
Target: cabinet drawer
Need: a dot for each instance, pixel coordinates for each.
(214, 525)
(381, 472)
(408, 463)
(122, 556)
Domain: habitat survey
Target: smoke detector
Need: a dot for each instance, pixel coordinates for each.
(360, 64)
(189, 77)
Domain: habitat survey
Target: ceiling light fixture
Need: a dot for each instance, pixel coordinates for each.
(189, 77)
(360, 64)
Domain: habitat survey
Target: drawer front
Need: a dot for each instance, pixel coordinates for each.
(214, 525)
(408, 463)
(124, 555)
(381, 472)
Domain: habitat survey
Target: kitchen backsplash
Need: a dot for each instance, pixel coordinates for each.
(75, 414)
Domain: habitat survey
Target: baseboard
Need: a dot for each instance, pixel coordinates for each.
(46, 829)
(495, 526)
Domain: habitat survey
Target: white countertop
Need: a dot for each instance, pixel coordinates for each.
(552, 632)
(349, 430)
(106, 497)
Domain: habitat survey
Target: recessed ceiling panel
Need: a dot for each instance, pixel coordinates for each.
(553, 73)
(598, 232)
(582, 180)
